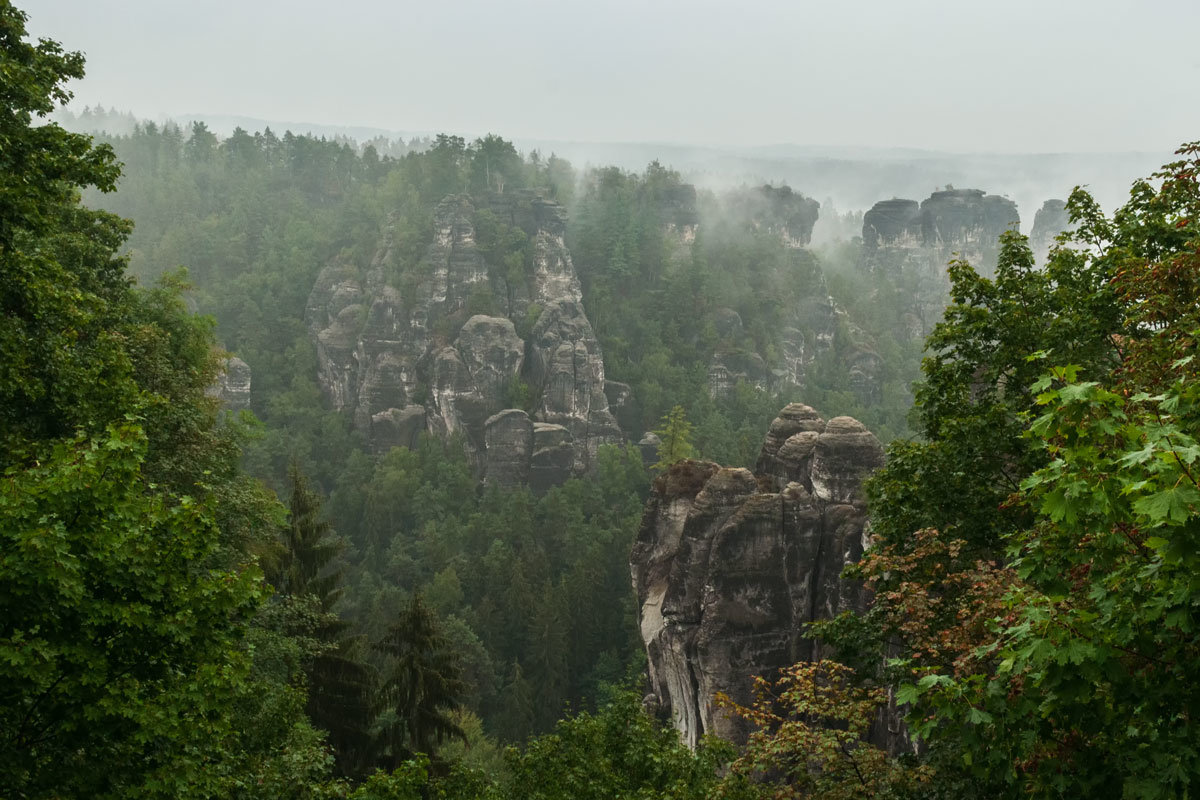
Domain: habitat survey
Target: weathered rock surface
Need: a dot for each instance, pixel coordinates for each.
(509, 446)
(398, 427)
(729, 565)
(730, 367)
(553, 456)
(648, 446)
(435, 347)
(786, 213)
(233, 384)
(1049, 221)
(916, 242)
(900, 235)
(623, 406)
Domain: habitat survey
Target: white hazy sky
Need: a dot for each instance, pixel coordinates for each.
(1011, 76)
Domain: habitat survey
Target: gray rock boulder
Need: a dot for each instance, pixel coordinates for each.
(1049, 221)
(397, 427)
(493, 353)
(566, 361)
(730, 367)
(648, 446)
(623, 406)
(553, 457)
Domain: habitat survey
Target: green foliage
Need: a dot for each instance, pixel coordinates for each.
(131, 662)
(970, 406)
(61, 306)
(517, 394)
(1070, 669)
(676, 439)
(119, 648)
(341, 685)
(533, 592)
(423, 686)
(810, 740)
(617, 752)
(308, 547)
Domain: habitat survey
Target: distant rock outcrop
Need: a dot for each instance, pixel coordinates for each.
(965, 223)
(914, 242)
(1049, 221)
(786, 213)
(729, 565)
(233, 384)
(435, 346)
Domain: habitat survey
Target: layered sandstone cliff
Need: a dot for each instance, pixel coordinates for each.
(448, 344)
(729, 565)
(1049, 221)
(913, 242)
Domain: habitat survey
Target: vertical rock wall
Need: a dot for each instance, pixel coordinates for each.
(434, 346)
(728, 565)
(1049, 221)
(914, 242)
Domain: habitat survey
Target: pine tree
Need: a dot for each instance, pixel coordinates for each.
(340, 682)
(547, 654)
(424, 685)
(676, 436)
(309, 546)
(515, 715)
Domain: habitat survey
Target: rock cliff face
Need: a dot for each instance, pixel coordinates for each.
(914, 242)
(435, 346)
(233, 384)
(902, 235)
(1049, 221)
(728, 564)
(786, 213)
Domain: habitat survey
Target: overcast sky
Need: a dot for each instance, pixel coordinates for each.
(1011, 76)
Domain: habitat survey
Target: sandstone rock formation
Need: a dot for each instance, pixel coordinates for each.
(1049, 221)
(900, 235)
(729, 565)
(786, 213)
(435, 346)
(914, 242)
(729, 367)
(233, 384)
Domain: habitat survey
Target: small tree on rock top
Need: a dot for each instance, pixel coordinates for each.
(676, 436)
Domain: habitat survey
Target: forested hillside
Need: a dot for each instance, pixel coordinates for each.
(533, 589)
(327, 466)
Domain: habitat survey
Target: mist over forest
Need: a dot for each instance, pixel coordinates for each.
(711, 428)
(850, 178)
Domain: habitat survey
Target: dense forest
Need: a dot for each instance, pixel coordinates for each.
(533, 589)
(281, 596)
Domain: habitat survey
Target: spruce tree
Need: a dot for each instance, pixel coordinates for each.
(340, 682)
(423, 687)
(676, 436)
